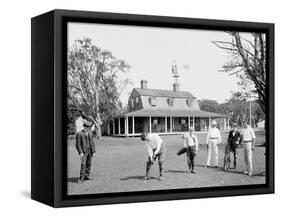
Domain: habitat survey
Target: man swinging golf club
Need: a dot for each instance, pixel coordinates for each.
(191, 145)
(156, 150)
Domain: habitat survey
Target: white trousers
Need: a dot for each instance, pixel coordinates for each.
(213, 148)
(248, 153)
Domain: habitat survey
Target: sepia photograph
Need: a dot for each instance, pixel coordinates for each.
(154, 108)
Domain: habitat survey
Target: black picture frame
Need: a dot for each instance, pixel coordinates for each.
(48, 149)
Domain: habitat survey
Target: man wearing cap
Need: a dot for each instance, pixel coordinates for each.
(248, 139)
(191, 145)
(86, 149)
(212, 141)
(156, 150)
(234, 139)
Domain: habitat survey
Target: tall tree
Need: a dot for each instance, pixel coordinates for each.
(209, 105)
(238, 109)
(247, 61)
(93, 86)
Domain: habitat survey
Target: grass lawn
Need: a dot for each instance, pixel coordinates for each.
(119, 166)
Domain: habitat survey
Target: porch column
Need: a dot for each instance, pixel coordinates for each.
(171, 124)
(133, 127)
(113, 126)
(194, 123)
(227, 122)
(108, 127)
(210, 122)
(149, 124)
(126, 126)
(119, 131)
(188, 123)
(166, 127)
(224, 123)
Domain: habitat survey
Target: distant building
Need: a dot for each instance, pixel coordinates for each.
(163, 112)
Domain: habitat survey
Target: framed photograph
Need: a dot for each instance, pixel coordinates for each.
(135, 108)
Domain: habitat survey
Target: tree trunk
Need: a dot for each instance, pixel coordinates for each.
(98, 131)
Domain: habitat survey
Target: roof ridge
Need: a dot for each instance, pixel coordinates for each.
(170, 93)
(139, 88)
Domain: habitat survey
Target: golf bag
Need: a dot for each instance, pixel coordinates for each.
(227, 161)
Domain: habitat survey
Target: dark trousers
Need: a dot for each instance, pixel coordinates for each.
(234, 150)
(161, 158)
(190, 154)
(85, 166)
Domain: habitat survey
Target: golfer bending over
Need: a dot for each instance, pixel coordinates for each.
(156, 149)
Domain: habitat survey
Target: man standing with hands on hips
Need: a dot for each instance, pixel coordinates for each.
(213, 139)
(248, 139)
(86, 149)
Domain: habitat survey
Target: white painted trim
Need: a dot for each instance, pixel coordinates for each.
(133, 123)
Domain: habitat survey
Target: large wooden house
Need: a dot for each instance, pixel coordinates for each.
(163, 112)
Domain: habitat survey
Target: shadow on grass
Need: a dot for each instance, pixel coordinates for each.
(260, 174)
(72, 179)
(136, 177)
(175, 171)
(210, 167)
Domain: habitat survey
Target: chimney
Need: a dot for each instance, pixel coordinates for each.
(143, 84)
(176, 87)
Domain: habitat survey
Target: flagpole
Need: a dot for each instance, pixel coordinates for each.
(250, 112)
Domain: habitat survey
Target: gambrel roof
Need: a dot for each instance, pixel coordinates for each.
(164, 93)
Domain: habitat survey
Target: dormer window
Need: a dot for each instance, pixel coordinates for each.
(152, 101)
(137, 101)
(188, 102)
(170, 101)
(132, 103)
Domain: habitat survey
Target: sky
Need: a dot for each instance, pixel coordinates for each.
(151, 52)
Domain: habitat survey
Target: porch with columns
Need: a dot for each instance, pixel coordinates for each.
(134, 126)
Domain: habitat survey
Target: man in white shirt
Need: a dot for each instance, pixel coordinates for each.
(79, 122)
(191, 144)
(212, 141)
(248, 139)
(156, 150)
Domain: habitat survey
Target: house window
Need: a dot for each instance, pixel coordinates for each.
(188, 102)
(137, 101)
(183, 121)
(152, 101)
(132, 103)
(155, 121)
(170, 101)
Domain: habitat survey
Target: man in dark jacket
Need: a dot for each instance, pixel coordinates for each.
(234, 139)
(86, 149)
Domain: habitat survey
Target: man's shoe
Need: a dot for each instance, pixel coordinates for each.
(250, 174)
(246, 172)
(193, 172)
(146, 178)
(161, 178)
(207, 166)
(80, 181)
